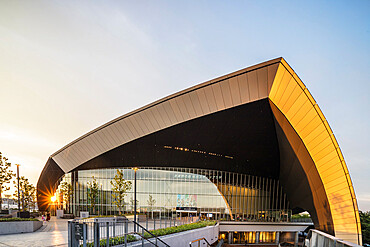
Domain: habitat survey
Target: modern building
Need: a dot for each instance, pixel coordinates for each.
(252, 145)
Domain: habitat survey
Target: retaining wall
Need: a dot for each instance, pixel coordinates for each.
(11, 227)
(182, 239)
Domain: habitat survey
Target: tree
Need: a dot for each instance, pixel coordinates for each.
(120, 187)
(66, 191)
(151, 203)
(132, 203)
(93, 193)
(5, 175)
(27, 193)
(365, 227)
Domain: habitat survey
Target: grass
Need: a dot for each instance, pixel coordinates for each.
(17, 219)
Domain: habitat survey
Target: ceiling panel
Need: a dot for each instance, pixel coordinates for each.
(226, 93)
(244, 88)
(253, 85)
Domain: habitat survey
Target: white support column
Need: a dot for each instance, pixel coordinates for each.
(230, 238)
(257, 237)
(277, 238)
(296, 239)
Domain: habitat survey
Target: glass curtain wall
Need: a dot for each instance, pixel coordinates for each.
(176, 192)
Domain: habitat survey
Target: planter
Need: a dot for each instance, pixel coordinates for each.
(11, 227)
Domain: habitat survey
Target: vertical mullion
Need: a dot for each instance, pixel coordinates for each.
(263, 199)
(277, 198)
(273, 209)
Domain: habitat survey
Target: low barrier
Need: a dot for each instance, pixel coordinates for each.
(112, 231)
(12, 227)
(316, 238)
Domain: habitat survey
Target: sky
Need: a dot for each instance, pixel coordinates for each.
(67, 67)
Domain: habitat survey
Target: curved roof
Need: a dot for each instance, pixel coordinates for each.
(294, 109)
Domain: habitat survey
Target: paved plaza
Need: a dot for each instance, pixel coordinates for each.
(55, 233)
(52, 233)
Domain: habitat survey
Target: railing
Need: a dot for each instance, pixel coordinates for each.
(316, 238)
(305, 220)
(113, 231)
(199, 241)
(142, 235)
(220, 243)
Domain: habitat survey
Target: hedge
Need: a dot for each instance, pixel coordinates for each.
(17, 219)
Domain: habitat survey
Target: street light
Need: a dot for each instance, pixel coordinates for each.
(19, 201)
(53, 200)
(135, 169)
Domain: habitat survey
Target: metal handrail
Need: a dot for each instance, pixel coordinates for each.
(198, 240)
(220, 243)
(160, 240)
(314, 235)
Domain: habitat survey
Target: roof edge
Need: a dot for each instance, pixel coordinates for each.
(187, 90)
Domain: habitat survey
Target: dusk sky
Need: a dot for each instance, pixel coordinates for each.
(66, 67)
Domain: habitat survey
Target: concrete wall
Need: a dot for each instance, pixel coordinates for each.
(239, 226)
(183, 239)
(19, 226)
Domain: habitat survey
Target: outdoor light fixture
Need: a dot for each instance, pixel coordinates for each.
(53, 198)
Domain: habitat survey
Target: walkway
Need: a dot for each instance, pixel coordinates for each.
(52, 233)
(55, 233)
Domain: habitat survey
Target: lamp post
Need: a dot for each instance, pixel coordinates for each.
(19, 201)
(53, 200)
(135, 169)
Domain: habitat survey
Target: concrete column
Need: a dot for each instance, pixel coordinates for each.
(230, 238)
(277, 238)
(257, 237)
(296, 239)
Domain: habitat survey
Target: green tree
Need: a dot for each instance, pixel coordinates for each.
(120, 187)
(5, 175)
(132, 203)
(151, 202)
(93, 193)
(365, 227)
(66, 191)
(27, 193)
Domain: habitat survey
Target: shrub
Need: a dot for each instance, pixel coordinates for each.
(113, 241)
(17, 219)
(176, 229)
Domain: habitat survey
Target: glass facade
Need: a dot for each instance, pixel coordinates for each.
(178, 192)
